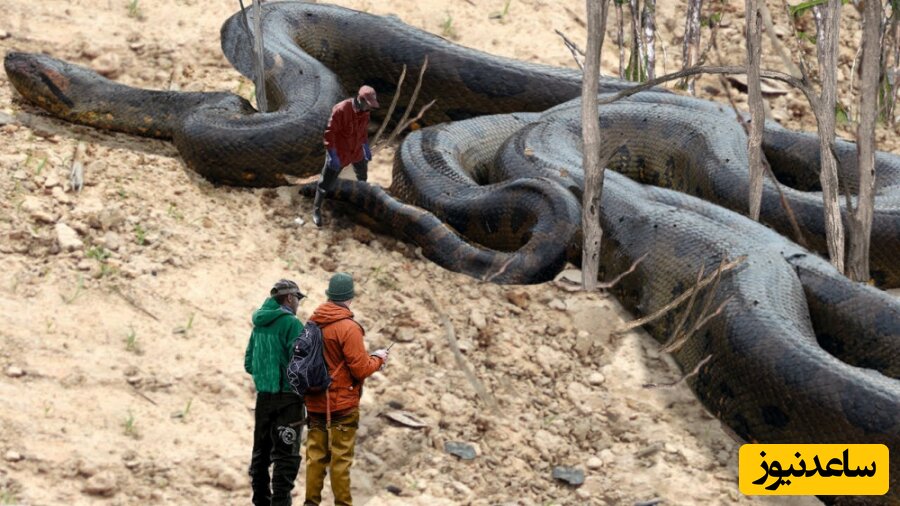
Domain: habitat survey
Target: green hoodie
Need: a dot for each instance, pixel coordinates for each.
(271, 346)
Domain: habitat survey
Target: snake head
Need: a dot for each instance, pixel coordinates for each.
(43, 80)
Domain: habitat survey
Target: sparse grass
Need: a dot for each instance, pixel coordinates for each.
(131, 343)
(384, 279)
(183, 414)
(8, 497)
(447, 29)
(134, 10)
(129, 427)
(140, 234)
(173, 212)
(190, 323)
(101, 255)
(79, 287)
(502, 14)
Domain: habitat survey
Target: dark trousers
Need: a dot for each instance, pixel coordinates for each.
(329, 176)
(276, 442)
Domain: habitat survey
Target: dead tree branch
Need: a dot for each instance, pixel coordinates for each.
(593, 169)
(755, 100)
(573, 48)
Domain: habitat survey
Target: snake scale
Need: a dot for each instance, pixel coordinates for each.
(799, 353)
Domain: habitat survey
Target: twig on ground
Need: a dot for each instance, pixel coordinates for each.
(490, 277)
(76, 176)
(450, 334)
(142, 394)
(682, 379)
(133, 303)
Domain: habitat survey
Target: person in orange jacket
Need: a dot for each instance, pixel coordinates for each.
(333, 416)
(346, 142)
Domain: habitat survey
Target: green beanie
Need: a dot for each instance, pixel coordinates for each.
(340, 288)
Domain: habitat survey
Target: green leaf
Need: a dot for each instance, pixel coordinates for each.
(840, 114)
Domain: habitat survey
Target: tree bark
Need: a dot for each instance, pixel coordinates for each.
(593, 169)
(861, 218)
(648, 23)
(637, 43)
(260, 63)
(620, 37)
(690, 51)
(827, 42)
(757, 113)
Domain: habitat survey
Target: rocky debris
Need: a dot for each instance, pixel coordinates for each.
(67, 238)
(104, 484)
(465, 451)
(477, 319)
(15, 371)
(107, 65)
(594, 463)
(557, 304)
(570, 475)
(13, 456)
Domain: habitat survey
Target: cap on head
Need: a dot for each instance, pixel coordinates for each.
(340, 287)
(367, 93)
(285, 287)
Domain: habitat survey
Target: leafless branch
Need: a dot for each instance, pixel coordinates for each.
(390, 111)
(684, 378)
(726, 267)
(610, 284)
(412, 101)
(573, 48)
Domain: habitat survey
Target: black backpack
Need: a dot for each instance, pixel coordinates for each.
(307, 371)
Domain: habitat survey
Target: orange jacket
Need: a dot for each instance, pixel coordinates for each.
(347, 131)
(343, 339)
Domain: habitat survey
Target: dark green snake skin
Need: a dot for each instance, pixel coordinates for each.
(799, 353)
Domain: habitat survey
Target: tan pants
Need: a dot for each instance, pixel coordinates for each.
(333, 450)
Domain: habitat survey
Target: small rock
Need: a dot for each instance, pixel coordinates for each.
(67, 238)
(227, 479)
(87, 469)
(52, 180)
(107, 65)
(60, 195)
(15, 372)
(477, 319)
(594, 463)
(519, 298)
(583, 344)
(464, 451)
(13, 456)
(558, 305)
(362, 234)
(404, 335)
(596, 378)
(4, 34)
(570, 475)
(103, 484)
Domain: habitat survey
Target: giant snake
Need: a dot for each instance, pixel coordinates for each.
(799, 353)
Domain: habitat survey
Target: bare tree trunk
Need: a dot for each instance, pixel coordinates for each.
(648, 22)
(620, 37)
(261, 102)
(636, 65)
(593, 169)
(891, 43)
(757, 113)
(690, 51)
(827, 42)
(861, 218)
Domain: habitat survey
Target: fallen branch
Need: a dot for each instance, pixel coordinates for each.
(76, 176)
(450, 334)
(678, 300)
(142, 394)
(488, 278)
(133, 303)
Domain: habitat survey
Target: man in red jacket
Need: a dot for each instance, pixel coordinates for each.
(333, 416)
(346, 142)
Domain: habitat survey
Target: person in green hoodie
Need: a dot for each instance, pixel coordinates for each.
(280, 413)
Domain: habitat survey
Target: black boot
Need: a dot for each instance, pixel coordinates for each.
(317, 207)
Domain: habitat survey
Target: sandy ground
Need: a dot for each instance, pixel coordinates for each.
(121, 347)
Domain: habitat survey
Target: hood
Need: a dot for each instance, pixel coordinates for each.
(329, 313)
(268, 313)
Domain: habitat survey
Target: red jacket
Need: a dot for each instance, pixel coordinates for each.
(343, 339)
(346, 132)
